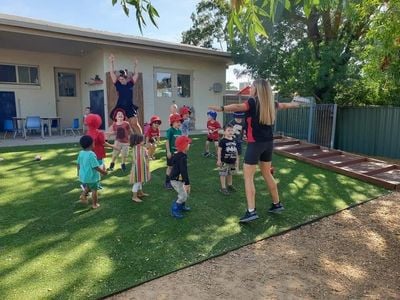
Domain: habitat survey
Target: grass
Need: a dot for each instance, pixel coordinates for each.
(51, 246)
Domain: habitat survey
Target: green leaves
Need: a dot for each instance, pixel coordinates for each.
(141, 7)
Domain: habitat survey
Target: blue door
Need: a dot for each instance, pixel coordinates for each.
(97, 104)
(8, 108)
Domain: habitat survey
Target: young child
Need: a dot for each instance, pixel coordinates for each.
(239, 128)
(185, 114)
(93, 123)
(88, 171)
(121, 129)
(213, 127)
(172, 133)
(140, 172)
(153, 135)
(227, 154)
(85, 114)
(180, 177)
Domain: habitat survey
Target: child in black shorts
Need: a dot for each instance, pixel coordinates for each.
(227, 155)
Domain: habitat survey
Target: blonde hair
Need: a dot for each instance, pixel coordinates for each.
(265, 103)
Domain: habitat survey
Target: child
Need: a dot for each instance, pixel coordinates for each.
(213, 127)
(185, 113)
(85, 114)
(93, 123)
(227, 154)
(153, 135)
(140, 172)
(88, 171)
(238, 130)
(180, 177)
(172, 133)
(121, 129)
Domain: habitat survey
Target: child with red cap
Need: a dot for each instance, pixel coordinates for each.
(185, 113)
(153, 135)
(122, 130)
(173, 132)
(180, 177)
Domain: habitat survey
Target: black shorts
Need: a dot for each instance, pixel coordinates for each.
(169, 160)
(257, 151)
(129, 112)
(212, 140)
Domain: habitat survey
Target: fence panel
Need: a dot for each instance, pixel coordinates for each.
(369, 130)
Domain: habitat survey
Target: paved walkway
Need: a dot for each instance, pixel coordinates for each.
(55, 139)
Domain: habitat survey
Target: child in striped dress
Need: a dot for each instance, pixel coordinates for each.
(140, 172)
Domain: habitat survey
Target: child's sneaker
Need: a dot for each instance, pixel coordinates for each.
(231, 188)
(278, 207)
(206, 154)
(249, 216)
(224, 191)
(176, 210)
(185, 208)
(111, 168)
(168, 186)
(123, 167)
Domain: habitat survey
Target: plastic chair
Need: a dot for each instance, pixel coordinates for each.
(74, 128)
(9, 127)
(33, 123)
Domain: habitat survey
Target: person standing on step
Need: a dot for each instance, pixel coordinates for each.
(124, 83)
(260, 118)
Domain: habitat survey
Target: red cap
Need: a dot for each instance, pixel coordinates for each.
(184, 110)
(182, 142)
(175, 118)
(155, 118)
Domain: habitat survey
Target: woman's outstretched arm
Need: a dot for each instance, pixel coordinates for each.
(111, 59)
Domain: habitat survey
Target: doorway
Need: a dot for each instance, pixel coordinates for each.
(68, 96)
(8, 108)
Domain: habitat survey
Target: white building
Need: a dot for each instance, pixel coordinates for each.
(48, 70)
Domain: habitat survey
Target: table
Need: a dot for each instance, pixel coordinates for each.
(48, 121)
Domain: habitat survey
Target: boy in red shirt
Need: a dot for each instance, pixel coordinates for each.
(213, 128)
(153, 135)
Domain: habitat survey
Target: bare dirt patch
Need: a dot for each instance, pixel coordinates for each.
(353, 254)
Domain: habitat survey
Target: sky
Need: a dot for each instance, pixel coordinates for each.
(101, 15)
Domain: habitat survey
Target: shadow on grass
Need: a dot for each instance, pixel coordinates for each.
(57, 248)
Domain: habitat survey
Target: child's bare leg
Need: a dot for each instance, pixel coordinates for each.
(84, 194)
(223, 182)
(207, 146)
(216, 148)
(229, 180)
(94, 199)
(238, 163)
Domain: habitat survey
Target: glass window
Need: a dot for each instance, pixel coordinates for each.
(34, 75)
(23, 74)
(66, 84)
(164, 87)
(8, 74)
(183, 85)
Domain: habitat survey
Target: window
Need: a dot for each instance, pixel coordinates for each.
(170, 83)
(19, 74)
(183, 85)
(164, 87)
(66, 84)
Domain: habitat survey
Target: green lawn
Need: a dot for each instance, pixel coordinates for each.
(51, 246)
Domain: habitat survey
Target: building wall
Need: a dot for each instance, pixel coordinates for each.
(41, 100)
(37, 100)
(205, 73)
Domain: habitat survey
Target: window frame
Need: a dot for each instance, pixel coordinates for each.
(18, 82)
(174, 82)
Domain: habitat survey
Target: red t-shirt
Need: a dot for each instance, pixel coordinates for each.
(122, 132)
(152, 133)
(98, 142)
(213, 127)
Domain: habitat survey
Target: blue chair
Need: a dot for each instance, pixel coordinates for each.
(9, 127)
(33, 123)
(75, 129)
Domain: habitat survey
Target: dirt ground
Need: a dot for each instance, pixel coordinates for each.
(351, 255)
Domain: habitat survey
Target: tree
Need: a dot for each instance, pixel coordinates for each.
(230, 86)
(209, 22)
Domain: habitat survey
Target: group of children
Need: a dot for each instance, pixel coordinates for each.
(91, 164)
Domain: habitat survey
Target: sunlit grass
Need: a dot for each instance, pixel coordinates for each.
(51, 246)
